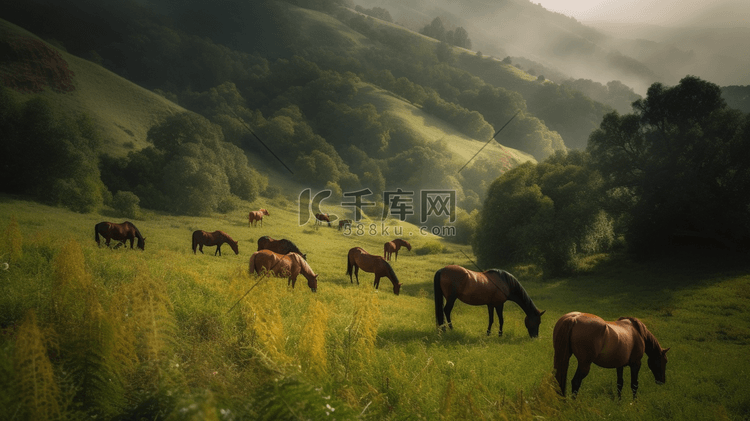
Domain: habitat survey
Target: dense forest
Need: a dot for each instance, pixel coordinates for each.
(268, 70)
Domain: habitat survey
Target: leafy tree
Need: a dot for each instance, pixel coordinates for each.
(49, 156)
(677, 166)
(547, 214)
(189, 169)
(434, 30)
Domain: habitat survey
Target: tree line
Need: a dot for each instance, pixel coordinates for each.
(673, 170)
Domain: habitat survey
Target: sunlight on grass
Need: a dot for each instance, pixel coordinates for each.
(364, 351)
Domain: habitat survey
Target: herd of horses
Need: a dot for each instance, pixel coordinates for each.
(592, 340)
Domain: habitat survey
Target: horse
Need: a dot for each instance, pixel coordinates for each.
(322, 217)
(491, 288)
(119, 232)
(255, 216)
(359, 258)
(286, 265)
(607, 344)
(393, 246)
(282, 246)
(343, 223)
(217, 238)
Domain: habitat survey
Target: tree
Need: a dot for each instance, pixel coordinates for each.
(547, 214)
(461, 38)
(676, 166)
(434, 30)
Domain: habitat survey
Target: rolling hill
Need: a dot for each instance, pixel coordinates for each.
(122, 110)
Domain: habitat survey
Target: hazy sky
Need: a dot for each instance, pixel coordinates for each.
(660, 12)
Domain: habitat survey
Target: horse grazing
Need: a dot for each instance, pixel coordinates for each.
(119, 232)
(255, 216)
(491, 288)
(359, 258)
(286, 265)
(393, 247)
(282, 246)
(322, 217)
(607, 344)
(343, 223)
(217, 238)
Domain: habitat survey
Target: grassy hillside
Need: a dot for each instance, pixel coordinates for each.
(123, 111)
(379, 356)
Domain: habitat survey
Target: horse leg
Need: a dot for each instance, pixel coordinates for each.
(218, 250)
(448, 308)
(356, 273)
(491, 310)
(500, 319)
(377, 281)
(200, 247)
(620, 382)
(581, 372)
(634, 369)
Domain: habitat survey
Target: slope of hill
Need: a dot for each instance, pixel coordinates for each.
(123, 111)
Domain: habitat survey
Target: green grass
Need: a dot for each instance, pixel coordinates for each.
(381, 356)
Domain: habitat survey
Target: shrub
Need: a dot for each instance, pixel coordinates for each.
(430, 247)
(126, 202)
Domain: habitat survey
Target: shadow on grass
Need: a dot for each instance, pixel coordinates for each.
(620, 285)
(452, 337)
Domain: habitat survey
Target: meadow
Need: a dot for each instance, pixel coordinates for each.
(166, 334)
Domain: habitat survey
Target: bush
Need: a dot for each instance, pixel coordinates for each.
(127, 203)
(430, 247)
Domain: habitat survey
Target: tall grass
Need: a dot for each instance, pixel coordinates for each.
(95, 332)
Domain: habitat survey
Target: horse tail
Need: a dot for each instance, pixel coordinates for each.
(561, 344)
(439, 316)
(251, 267)
(96, 233)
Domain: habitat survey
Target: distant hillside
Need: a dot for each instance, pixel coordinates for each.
(122, 110)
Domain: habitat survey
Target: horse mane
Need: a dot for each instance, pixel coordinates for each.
(391, 272)
(517, 293)
(137, 232)
(305, 267)
(292, 247)
(652, 344)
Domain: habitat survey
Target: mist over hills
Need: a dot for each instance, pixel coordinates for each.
(354, 101)
(635, 54)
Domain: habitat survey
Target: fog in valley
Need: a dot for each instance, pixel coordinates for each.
(637, 42)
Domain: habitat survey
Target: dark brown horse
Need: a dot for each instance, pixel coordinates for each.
(393, 247)
(491, 288)
(359, 258)
(322, 217)
(607, 344)
(282, 246)
(343, 223)
(119, 232)
(217, 238)
(255, 216)
(286, 265)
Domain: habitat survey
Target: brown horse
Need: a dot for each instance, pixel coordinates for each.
(359, 258)
(343, 223)
(216, 238)
(286, 265)
(607, 344)
(393, 247)
(322, 217)
(255, 216)
(491, 288)
(119, 232)
(282, 246)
